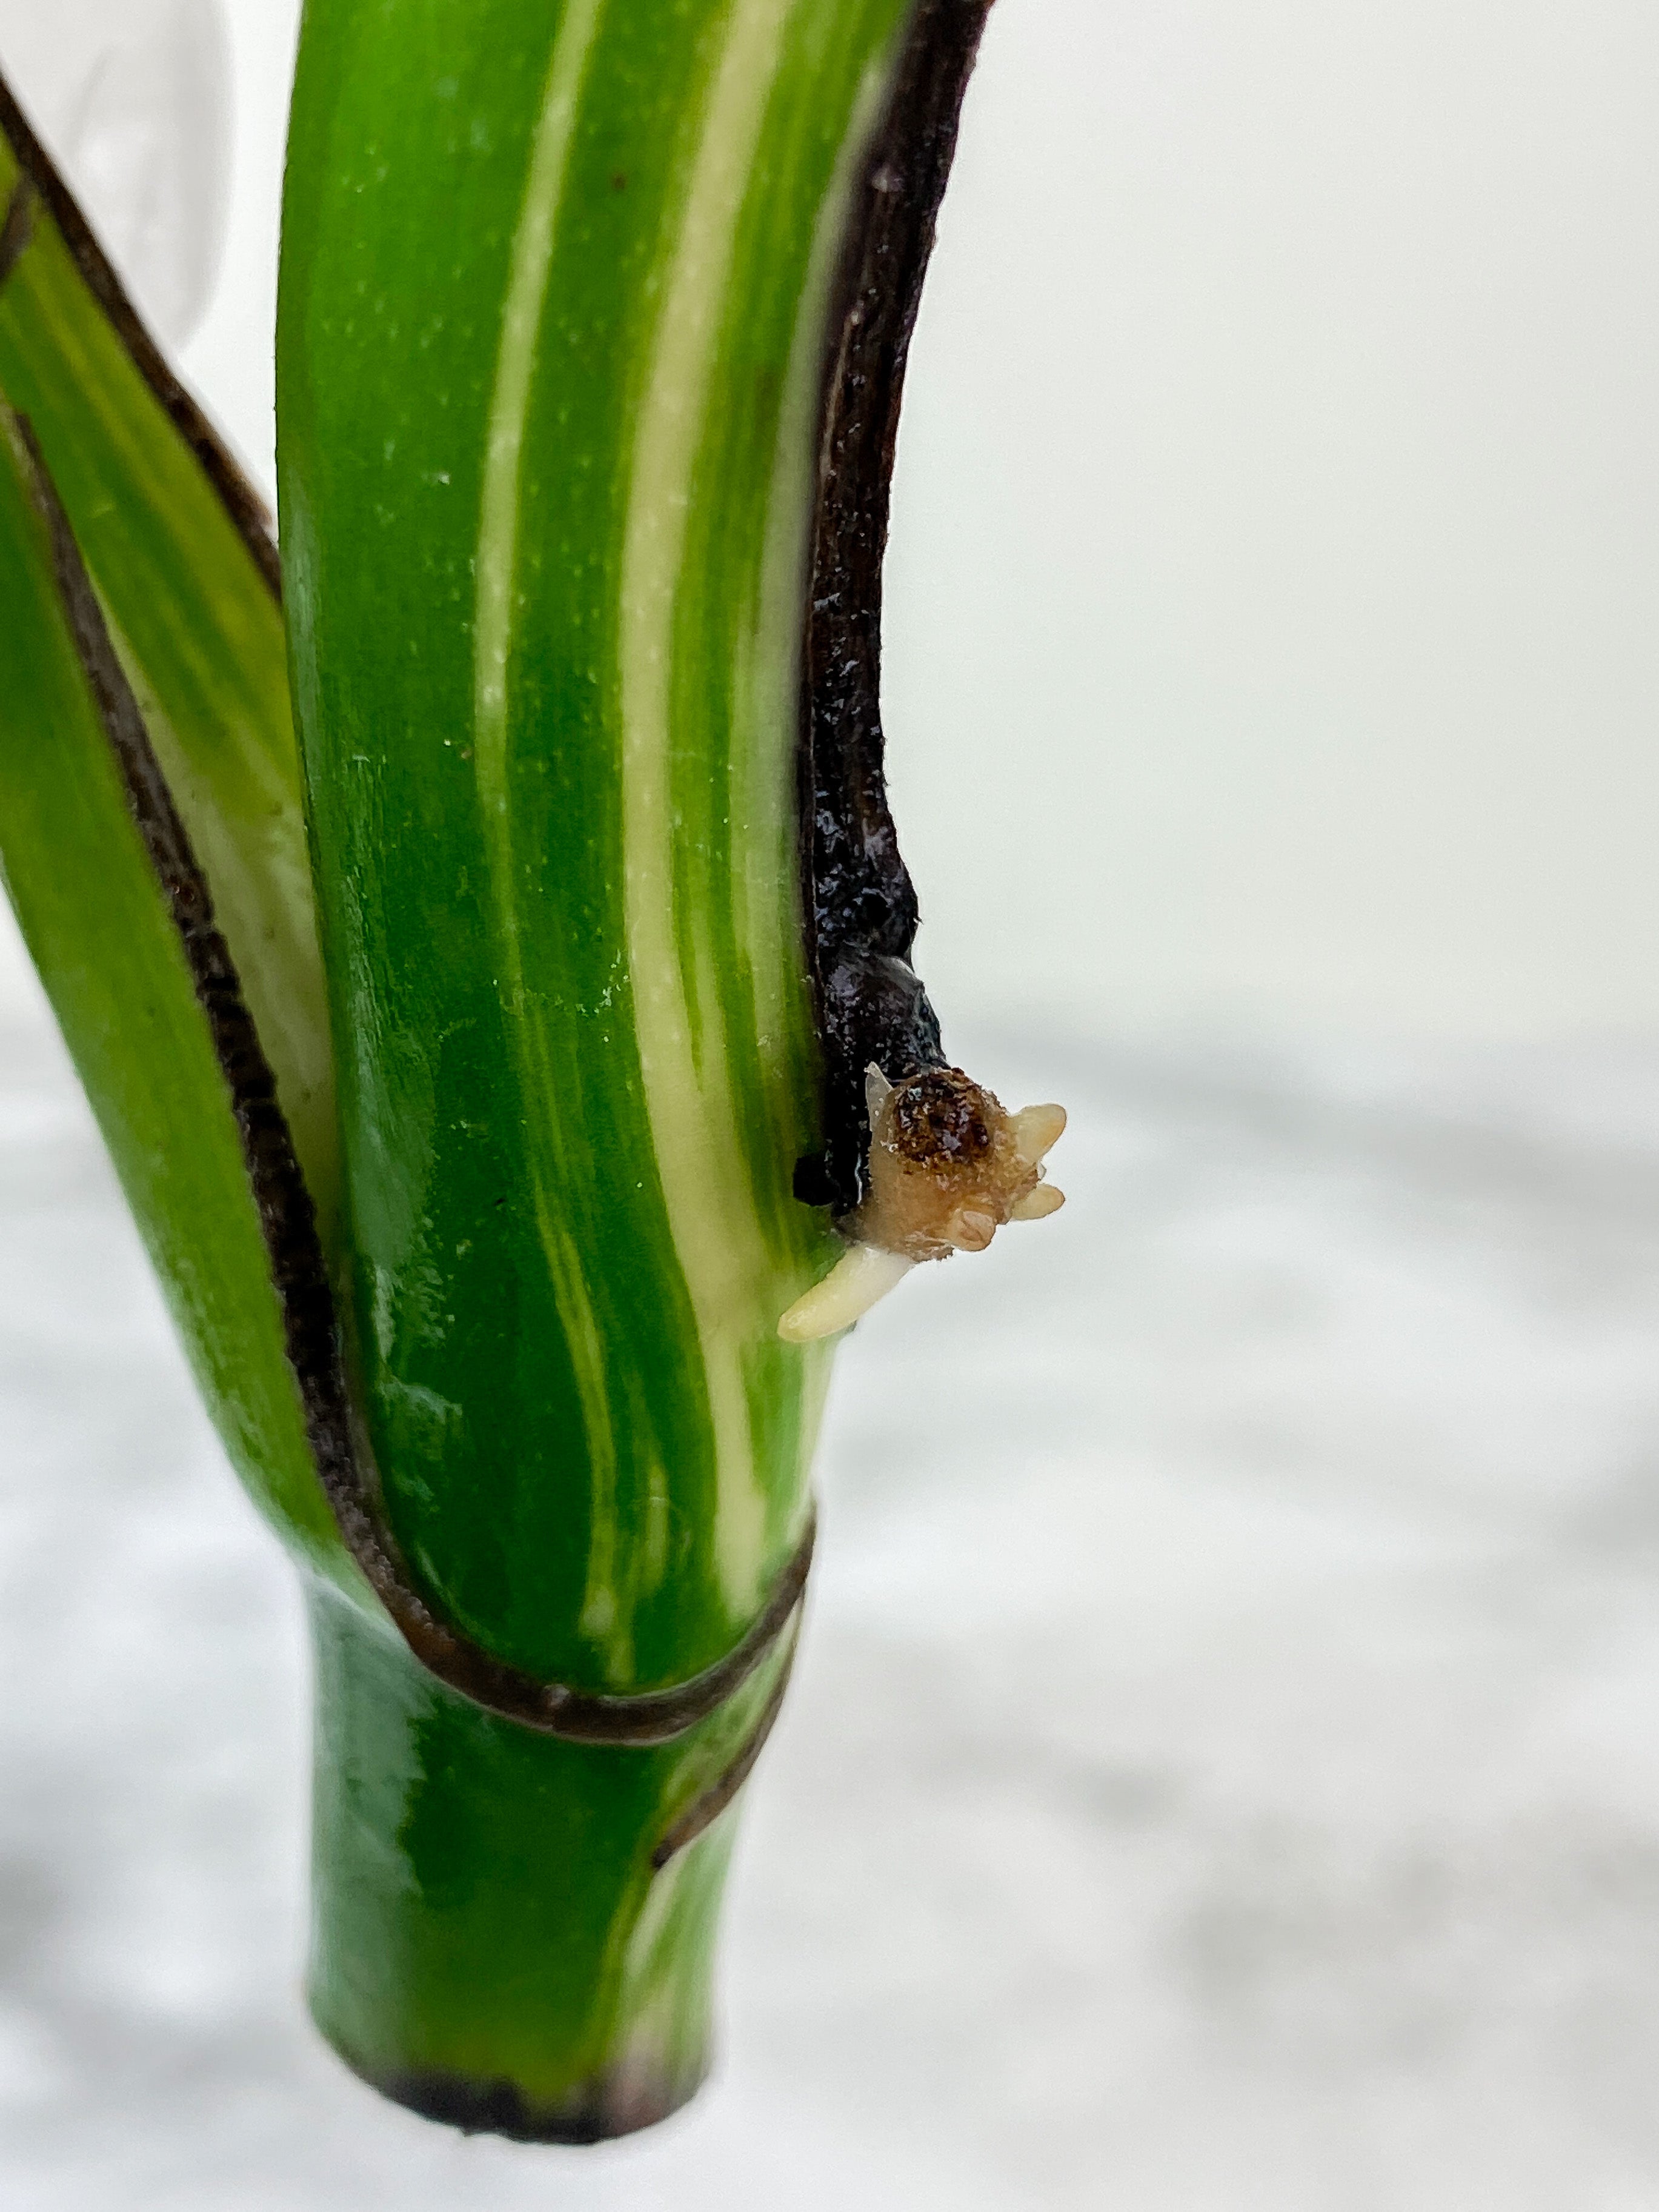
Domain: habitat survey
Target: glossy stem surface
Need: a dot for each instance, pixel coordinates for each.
(556, 293)
(559, 288)
(491, 1943)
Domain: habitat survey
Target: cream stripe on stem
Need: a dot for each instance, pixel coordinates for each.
(531, 264)
(694, 1127)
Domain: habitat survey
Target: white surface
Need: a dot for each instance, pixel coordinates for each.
(132, 98)
(1224, 1767)
(1275, 590)
(231, 360)
(1275, 586)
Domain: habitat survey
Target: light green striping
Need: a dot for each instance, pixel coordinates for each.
(531, 262)
(516, 367)
(694, 1126)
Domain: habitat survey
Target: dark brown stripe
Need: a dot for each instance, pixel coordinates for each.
(247, 510)
(297, 1266)
(18, 227)
(859, 900)
(707, 1809)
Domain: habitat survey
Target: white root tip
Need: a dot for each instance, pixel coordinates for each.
(1037, 1204)
(859, 1280)
(1037, 1130)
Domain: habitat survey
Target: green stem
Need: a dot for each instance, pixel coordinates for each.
(572, 300)
(593, 317)
(491, 1943)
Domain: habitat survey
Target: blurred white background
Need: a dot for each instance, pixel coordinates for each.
(1274, 599)
(1225, 1770)
(1277, 568)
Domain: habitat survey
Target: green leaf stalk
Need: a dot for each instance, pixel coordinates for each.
(492, 1043)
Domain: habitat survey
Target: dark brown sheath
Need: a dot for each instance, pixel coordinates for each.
(859, 902)
(17, 226)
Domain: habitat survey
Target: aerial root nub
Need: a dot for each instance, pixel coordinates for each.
(860, 1280)
(947, 1166)
(1037, 1130)
(1037, 1204)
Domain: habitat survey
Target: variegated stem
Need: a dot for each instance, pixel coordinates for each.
(558, 343)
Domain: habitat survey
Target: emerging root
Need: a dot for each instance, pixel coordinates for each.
(948, 1166)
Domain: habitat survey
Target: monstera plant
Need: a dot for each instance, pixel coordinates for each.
(482, 937)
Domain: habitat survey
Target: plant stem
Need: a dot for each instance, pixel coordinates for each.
(491, 1943)
(569, 367)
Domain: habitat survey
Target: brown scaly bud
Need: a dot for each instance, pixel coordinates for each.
(948, 1165)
